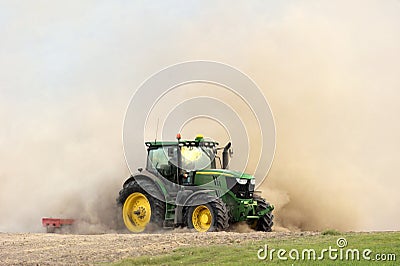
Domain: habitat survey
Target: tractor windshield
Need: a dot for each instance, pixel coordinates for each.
(197, 158)
(164, 160)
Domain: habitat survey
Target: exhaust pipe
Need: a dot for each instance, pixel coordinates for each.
(225, 156)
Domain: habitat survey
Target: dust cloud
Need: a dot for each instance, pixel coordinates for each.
(337, 155)
(328, 69)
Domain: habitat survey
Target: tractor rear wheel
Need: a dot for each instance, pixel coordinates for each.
(265, 222)
(212, 216)
(140, 210)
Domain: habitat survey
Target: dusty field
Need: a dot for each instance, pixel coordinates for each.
(57, 249)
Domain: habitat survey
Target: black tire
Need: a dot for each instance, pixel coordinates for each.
(265, 222)
(156, 205)
(219, 215)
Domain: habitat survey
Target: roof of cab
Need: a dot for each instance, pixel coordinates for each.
(182, 143)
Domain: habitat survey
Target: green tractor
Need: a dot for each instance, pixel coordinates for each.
(186, 184)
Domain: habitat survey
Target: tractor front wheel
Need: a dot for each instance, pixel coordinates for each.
(212, 216)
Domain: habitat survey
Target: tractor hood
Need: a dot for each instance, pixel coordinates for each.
(225, 172)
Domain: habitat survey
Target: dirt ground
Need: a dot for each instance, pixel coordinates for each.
(69, 249)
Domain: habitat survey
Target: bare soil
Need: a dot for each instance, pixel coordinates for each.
(70, 249)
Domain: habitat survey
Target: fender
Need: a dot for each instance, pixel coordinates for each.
(191, 199)
(147, 180)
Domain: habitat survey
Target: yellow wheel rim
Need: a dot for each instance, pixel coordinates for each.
(136, 212)
(201, 218)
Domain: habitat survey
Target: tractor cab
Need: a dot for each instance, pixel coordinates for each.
(178, 161)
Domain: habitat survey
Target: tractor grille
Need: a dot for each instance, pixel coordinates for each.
(241, 191)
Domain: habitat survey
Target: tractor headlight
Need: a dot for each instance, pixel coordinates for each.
(241, 181)
(252, 181)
